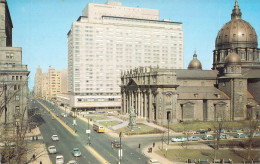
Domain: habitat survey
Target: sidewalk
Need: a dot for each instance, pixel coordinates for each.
(37, 148)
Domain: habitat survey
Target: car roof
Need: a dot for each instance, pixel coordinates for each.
(153, 160)
(51, 146)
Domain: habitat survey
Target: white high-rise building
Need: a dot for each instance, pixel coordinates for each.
(110, 38)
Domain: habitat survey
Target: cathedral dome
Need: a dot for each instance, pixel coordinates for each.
(233, 58)
(236, 33)
(195, 63)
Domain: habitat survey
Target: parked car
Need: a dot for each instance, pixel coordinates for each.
(202, 131)
(193, 138)
(178, 139)
(115, 144)
(72, 162)
(152, 161)
(75, 152)
(59, 159)
(224, 136)
(240, 135)
(208, 137)
(55, 138)
(256, 134)
(52, 149)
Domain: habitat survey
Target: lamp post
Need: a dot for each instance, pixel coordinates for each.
(168, 130)
(88, 133)
(120, 153)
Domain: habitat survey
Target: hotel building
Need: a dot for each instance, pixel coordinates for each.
(110, 38)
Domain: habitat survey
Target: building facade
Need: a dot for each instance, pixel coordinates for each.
(229, 91)
(49, 85)
(109, 38)
(13, 74)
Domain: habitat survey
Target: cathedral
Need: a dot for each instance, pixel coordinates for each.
(230, 91)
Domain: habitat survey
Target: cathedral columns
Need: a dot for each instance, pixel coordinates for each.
(138, 104)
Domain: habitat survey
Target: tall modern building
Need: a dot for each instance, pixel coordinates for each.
(110, 38)
(13, 74)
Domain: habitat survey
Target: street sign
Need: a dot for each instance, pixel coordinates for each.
(88, 131)
(120, 153)
(74, 122)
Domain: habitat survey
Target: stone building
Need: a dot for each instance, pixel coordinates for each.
(13, 74)
(229, 91)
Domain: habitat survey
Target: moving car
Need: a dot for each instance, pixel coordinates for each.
(178, 139)
(152, 161)
(208, 137)
(194, 138)
(55, 138)
(240, 135)
(72, 162)
(52, 149)
(75, 152)
(59, 159)
(115, 144)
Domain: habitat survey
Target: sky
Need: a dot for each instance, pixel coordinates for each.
(41, 26)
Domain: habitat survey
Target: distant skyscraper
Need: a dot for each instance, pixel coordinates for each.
(49, 85)
(38, 83)
(13, 74)
(110, 38)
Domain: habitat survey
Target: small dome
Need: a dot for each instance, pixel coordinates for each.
(236, 33)
(195, 63)
(233, 58)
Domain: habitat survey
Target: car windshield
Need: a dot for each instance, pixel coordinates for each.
(76, 149)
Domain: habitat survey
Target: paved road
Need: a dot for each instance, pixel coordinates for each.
(101, 143)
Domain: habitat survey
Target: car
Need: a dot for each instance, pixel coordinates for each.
(75, 152)
(208, 137)
(224, 136)
(55, 138)
(152, 161)
(256, 134)
(72, 162)
(59, 159)
(52, 150)
(178, 139)
(115, 144)
(202, 131)
(194, 138)
(240, 135)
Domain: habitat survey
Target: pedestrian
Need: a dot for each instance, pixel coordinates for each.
(33, 156)
(153, 144)
(40, 162)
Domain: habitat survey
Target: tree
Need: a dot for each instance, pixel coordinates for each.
(14, 124)
(253, 123)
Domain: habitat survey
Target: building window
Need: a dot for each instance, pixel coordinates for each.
(17, 97)
(17, 108)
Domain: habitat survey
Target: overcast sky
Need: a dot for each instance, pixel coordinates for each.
(41, 26)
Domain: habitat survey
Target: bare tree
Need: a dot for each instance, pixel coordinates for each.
(253, 123)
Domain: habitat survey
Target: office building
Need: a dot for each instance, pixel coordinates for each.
(110, 38)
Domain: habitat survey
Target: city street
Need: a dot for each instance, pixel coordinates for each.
(101, 143)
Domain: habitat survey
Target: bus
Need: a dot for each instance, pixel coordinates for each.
(98, 128)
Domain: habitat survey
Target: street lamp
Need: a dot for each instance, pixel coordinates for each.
(168, 130)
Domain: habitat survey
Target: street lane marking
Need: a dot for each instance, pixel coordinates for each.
(94, 153)
(58, 119)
